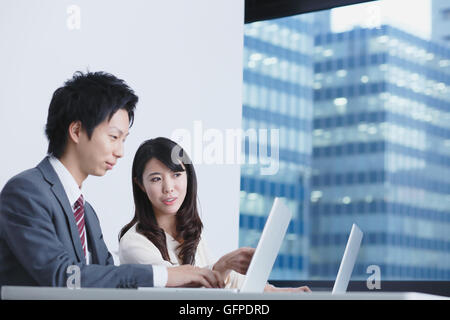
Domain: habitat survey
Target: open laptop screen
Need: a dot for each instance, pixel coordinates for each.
(348, 260)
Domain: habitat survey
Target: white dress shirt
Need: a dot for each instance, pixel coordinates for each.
(73, 192)
(136, 248)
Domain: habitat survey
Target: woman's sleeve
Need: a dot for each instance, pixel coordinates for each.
(234, 279)
(202, 256)
(137, 249)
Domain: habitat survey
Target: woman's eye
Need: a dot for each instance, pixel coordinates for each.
(155, 179)
(114, 137)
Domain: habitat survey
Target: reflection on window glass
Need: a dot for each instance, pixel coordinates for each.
(361, 98)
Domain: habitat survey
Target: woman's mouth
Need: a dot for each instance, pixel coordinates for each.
(169, 201)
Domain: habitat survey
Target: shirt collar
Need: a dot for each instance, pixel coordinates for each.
(68, 182)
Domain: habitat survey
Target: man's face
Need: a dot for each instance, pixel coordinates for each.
(100, 153)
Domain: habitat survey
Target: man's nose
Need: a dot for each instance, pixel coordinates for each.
(118, 151)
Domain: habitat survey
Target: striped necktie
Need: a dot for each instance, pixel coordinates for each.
(79, 219)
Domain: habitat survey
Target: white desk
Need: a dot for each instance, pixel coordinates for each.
(47, 293)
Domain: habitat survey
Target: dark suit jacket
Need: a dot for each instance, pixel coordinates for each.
(39, 239)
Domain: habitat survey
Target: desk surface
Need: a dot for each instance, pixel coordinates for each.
(48, 293)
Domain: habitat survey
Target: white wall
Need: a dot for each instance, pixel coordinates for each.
(182, 58)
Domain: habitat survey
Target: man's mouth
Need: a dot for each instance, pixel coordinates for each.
(110, 165)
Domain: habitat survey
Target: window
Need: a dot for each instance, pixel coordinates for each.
(363, 108)
(446, 14)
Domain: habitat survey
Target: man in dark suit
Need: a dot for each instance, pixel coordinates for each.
(46, 227)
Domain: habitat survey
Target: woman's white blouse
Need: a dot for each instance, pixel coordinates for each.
(136, 248)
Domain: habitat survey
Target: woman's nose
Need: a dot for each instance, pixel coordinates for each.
(168, 190)
(168, 187)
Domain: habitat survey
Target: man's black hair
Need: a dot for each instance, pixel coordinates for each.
(89, 98)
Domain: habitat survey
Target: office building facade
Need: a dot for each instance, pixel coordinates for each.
(381, 153)
(278, 95)
(364, 120)
(440, 21)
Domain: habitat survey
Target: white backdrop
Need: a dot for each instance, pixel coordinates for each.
(182, 58)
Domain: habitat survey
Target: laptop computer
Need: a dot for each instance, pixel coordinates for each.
(265, 254)
(348, 260)
(268, 246)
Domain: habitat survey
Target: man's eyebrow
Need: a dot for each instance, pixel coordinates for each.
(120, 131)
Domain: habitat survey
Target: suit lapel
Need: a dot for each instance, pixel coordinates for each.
(58, 190)
(91, 232)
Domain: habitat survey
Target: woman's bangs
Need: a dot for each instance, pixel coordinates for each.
(172, 161)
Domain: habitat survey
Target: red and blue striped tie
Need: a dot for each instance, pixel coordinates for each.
(79, 219)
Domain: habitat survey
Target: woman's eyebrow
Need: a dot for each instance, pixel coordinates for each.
(153, 174)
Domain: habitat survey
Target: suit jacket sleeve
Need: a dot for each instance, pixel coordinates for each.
(26, 224)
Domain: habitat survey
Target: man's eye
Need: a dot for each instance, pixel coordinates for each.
(155, 179)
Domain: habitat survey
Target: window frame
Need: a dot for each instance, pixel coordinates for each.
(257, 10)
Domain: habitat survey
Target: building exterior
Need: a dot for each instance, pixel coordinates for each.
(381, 153)
(278, 94)
(440, 21)
(364, 120)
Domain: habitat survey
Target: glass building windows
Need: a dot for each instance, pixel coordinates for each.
(364, 138)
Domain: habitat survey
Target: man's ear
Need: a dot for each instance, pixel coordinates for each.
(75, 131)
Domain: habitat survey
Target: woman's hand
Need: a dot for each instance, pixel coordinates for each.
(237, 260)
(271, 288)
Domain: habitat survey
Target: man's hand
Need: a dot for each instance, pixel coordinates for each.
(237, 260)
(190, 276)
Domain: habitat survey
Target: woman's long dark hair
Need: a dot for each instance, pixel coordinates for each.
(188, 223)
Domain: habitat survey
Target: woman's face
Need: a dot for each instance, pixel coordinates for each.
(165, 189)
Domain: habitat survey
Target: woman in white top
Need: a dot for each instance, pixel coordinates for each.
(166, 228)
